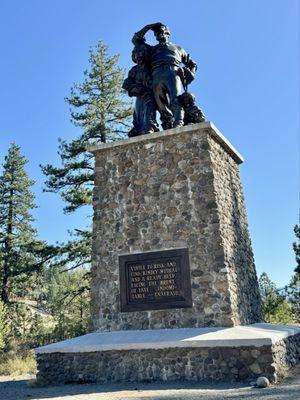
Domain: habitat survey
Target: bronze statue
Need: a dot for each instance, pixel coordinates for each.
(166, 85)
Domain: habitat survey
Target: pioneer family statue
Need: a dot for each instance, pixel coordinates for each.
(174, 290)
(159, 82)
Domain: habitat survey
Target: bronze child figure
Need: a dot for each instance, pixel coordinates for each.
(192, 113)
(139, 84)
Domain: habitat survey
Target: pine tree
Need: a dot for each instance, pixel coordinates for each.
(21, 252)
(98, 107)
(67, 300)
(293, 294)
(270, 296)
(296, 247)
(293, 290)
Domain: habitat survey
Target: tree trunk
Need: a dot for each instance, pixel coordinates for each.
(4, 291)
(7, 250)
(81, 314)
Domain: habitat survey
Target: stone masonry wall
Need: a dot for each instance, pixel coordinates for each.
(192, 364)
(170, 190)
(286, 355)
(238, 256)
(215, 363)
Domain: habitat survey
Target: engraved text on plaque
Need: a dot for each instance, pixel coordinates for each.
(155, 280)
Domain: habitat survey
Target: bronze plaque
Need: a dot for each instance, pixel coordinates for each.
(155, 280)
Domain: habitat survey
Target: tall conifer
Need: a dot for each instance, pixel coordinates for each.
(20, 250)
(99, 108)
(296, 247)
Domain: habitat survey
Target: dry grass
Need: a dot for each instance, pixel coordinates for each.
(17, 365)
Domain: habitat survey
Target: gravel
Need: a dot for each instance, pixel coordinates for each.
(22, 387)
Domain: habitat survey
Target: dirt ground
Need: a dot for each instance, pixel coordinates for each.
(22, 387)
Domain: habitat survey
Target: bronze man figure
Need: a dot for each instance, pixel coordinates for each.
(169, 81)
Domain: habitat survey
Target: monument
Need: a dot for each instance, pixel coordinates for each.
(174, 292)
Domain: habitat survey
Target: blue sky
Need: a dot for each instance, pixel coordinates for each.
(247, 83)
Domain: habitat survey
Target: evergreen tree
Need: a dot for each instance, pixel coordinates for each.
(270, 296)
(67, 300)
(21, 252)
(98, 107)
(296, 247)
(282, 314)
(293, 290)
(293, 294)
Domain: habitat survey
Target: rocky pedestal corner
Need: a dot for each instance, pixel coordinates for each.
(173, 189)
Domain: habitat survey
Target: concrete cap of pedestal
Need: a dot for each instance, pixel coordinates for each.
(202, 127)
(257, 335)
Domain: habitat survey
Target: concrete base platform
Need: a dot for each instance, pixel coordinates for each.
(239, 353)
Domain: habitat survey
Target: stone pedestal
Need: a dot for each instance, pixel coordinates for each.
(179, 192)
(167, 190)
(193, 354)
